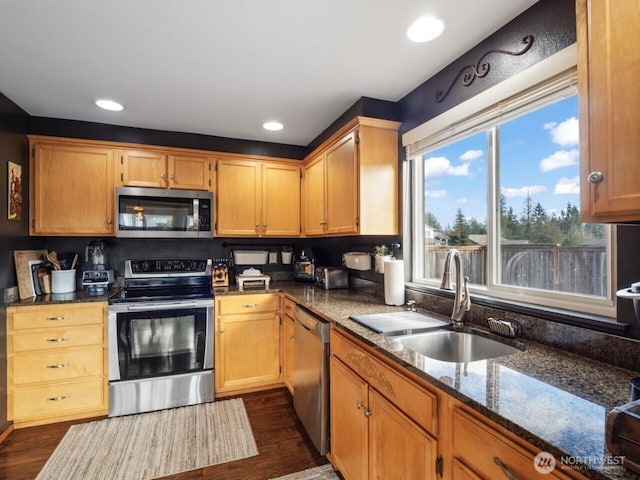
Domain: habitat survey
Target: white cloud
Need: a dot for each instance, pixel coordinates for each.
(567, 186)
(471, 155)
(438, 166)
(559, 159)
(522, 191)
(462, 200)
(565, 133)
(435, 193)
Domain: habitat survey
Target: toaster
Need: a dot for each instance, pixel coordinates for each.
(331, 277)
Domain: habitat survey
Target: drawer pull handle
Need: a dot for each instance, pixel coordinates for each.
(505, 470)
(58, 340)
(59, 365)
(58, 399)
(249, 305)
(61, 317)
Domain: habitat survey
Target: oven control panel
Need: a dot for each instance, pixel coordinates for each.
(168, 266)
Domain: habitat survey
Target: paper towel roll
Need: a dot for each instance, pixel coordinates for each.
(394, 282)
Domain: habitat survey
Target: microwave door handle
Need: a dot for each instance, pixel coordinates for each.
(163, 306)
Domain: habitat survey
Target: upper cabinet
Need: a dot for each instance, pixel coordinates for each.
(256, 198)
(608, 69)
(154, 168)
(71, 189)
(351, 181)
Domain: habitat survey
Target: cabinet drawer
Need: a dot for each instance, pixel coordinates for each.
(55, 339)
(56, 366)
(235, 304)
(58, 399)
(477, 444)
(416, 402)
(55, 316)
(289, 306)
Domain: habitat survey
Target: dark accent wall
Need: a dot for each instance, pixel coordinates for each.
(553, 26)
(13, 234)
(101, 131)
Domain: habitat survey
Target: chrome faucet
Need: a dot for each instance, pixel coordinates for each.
(462, 300)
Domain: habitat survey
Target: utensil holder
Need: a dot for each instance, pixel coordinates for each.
(63, 281)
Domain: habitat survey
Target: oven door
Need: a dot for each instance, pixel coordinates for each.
(160, 338)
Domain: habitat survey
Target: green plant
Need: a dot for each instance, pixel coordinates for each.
(381, 251)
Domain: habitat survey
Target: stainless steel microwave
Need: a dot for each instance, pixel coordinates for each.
(163, 213)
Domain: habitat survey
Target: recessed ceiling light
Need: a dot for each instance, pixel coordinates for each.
(272, 126)
(425, 29)
(109, 105)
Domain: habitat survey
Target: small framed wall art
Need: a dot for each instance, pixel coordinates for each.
(14, 189)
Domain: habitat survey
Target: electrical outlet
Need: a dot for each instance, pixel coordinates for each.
(11, 295)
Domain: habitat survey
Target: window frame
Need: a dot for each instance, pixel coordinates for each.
(441, 131)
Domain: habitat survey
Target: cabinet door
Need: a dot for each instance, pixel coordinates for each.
(72, 190)
(398, 448)
(189, 172)
(608, 68)
(280, 200)
(288, 326)
(142, 168)
(462, 472)
(349, 427)
(314, 198)
(247, 351)
(238, 205)
(342, 186)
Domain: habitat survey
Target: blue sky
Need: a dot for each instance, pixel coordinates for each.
(539, 156)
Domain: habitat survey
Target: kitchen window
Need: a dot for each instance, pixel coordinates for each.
(502, 187)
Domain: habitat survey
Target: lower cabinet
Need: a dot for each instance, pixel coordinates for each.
(481, 451)
(372, 435)
(56, 363)
(247, 343)
(288, 342)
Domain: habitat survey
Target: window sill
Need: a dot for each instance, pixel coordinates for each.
(583, 320)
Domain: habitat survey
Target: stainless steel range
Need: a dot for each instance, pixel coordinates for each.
(161, 336)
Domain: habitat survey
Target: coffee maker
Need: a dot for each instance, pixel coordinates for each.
(304, 266)
(96, 276)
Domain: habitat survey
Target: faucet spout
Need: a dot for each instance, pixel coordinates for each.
(462, 300)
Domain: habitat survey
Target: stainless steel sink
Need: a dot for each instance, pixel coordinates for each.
(450, 346)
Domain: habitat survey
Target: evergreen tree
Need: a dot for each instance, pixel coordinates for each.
(459, 235)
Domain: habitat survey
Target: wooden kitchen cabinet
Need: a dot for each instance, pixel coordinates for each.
(71, 189)
(159, 169)
(382, 424)
(247, 343)
(608, 69)
(56, 363)
(482, 451)
(351, 181)
(288, 351)
(256, 198)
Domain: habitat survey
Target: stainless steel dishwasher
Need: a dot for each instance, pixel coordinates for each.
(311, 376)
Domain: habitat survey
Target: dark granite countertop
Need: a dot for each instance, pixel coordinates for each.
(79, 296)
(556, 400)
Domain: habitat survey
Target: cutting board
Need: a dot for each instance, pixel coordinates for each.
(394, 321)
(23, 271)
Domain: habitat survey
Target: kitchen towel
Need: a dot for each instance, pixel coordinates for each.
(394, 282)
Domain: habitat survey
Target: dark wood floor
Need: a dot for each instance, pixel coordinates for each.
(283, 445)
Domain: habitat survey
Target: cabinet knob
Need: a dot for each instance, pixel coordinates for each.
(368, 413)
(264, 225)
(359, 405)
(163, 176)
(595, 177)
(109, 221)
(257, 225)
(507, 473)
(172, 177)
(221, 330)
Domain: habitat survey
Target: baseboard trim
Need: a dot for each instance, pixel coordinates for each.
(4, 435)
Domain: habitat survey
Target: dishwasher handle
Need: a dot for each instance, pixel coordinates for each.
(314, 324)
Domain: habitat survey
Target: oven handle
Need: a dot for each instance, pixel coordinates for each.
(162, 306)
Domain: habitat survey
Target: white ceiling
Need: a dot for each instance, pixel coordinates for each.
(223, 67)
